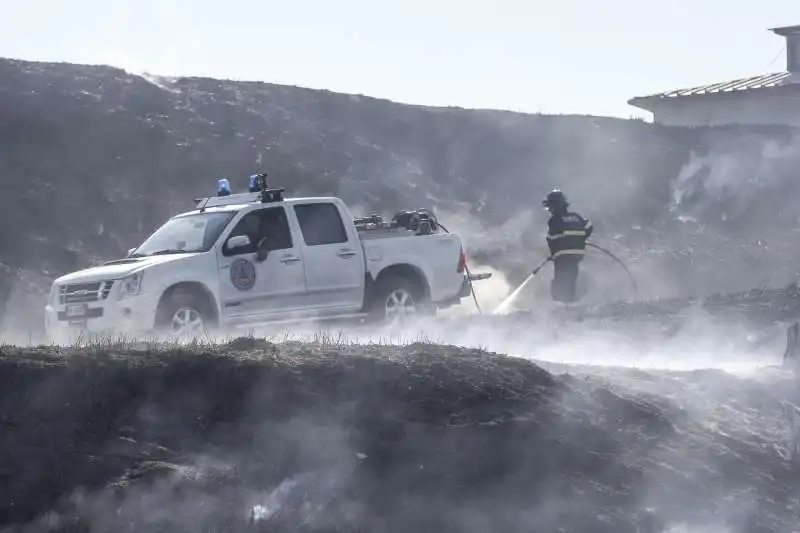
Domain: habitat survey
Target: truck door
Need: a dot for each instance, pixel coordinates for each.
(252, 289)
(333, 257)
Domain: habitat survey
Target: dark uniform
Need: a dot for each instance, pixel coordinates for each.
(566, 237)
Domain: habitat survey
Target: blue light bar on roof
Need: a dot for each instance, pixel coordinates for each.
(223, 187)
(254, 187)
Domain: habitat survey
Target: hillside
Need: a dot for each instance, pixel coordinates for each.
(326, 437)
(97, 158)
(142, 148)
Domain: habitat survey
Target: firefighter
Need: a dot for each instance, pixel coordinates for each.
(566, 237)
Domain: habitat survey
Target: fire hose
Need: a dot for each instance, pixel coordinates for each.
(612, 256)
(469, 276)
(541, 265)
(618, 260)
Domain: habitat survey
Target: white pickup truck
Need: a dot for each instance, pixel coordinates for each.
(241, 260)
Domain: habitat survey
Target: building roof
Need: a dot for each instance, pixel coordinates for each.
(763, 81)
(786, 30)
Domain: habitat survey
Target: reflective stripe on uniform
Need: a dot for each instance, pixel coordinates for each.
(568, 252)
(567, 233)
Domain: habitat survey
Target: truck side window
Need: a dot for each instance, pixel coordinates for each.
(320, 223)
(270, 223)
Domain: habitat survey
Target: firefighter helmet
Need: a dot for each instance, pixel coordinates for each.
(555, 199)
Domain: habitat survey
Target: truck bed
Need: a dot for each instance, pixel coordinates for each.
(386, 233)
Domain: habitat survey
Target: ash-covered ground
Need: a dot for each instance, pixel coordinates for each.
(337, 436)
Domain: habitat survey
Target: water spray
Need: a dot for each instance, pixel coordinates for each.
(513, 296)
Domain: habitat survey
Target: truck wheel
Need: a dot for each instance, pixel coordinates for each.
(398, 297)
(185, 314)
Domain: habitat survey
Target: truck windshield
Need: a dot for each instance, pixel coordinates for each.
(192, 233)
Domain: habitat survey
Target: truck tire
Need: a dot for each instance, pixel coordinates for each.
(398, 296)
(185, 314)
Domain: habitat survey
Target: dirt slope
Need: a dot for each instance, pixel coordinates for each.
(319, 437)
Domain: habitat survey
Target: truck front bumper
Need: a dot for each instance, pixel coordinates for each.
(133, 316)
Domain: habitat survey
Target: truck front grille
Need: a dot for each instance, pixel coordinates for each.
(76, 293)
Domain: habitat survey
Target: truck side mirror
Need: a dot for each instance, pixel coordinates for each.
(238, 241)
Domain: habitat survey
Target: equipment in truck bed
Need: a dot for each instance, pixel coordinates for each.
(419, 222)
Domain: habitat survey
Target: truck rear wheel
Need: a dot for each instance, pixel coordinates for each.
(397, 296)
(185, 314)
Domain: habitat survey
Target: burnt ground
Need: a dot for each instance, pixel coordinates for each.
(252, 436)
(758, 307)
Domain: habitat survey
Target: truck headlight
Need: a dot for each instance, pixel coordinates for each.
(131, 285)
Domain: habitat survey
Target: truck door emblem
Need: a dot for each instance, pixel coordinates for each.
(243, 274)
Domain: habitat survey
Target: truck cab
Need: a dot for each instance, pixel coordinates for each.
(240, 260)
(293, 259)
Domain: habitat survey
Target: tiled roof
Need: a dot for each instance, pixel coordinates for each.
(742, 84)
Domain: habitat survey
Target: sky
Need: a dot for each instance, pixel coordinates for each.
(534, 56)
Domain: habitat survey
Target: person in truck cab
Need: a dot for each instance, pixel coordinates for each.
(267, 229)
(251, 226)
(567, 233)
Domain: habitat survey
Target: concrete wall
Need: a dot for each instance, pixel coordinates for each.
(779, 106)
